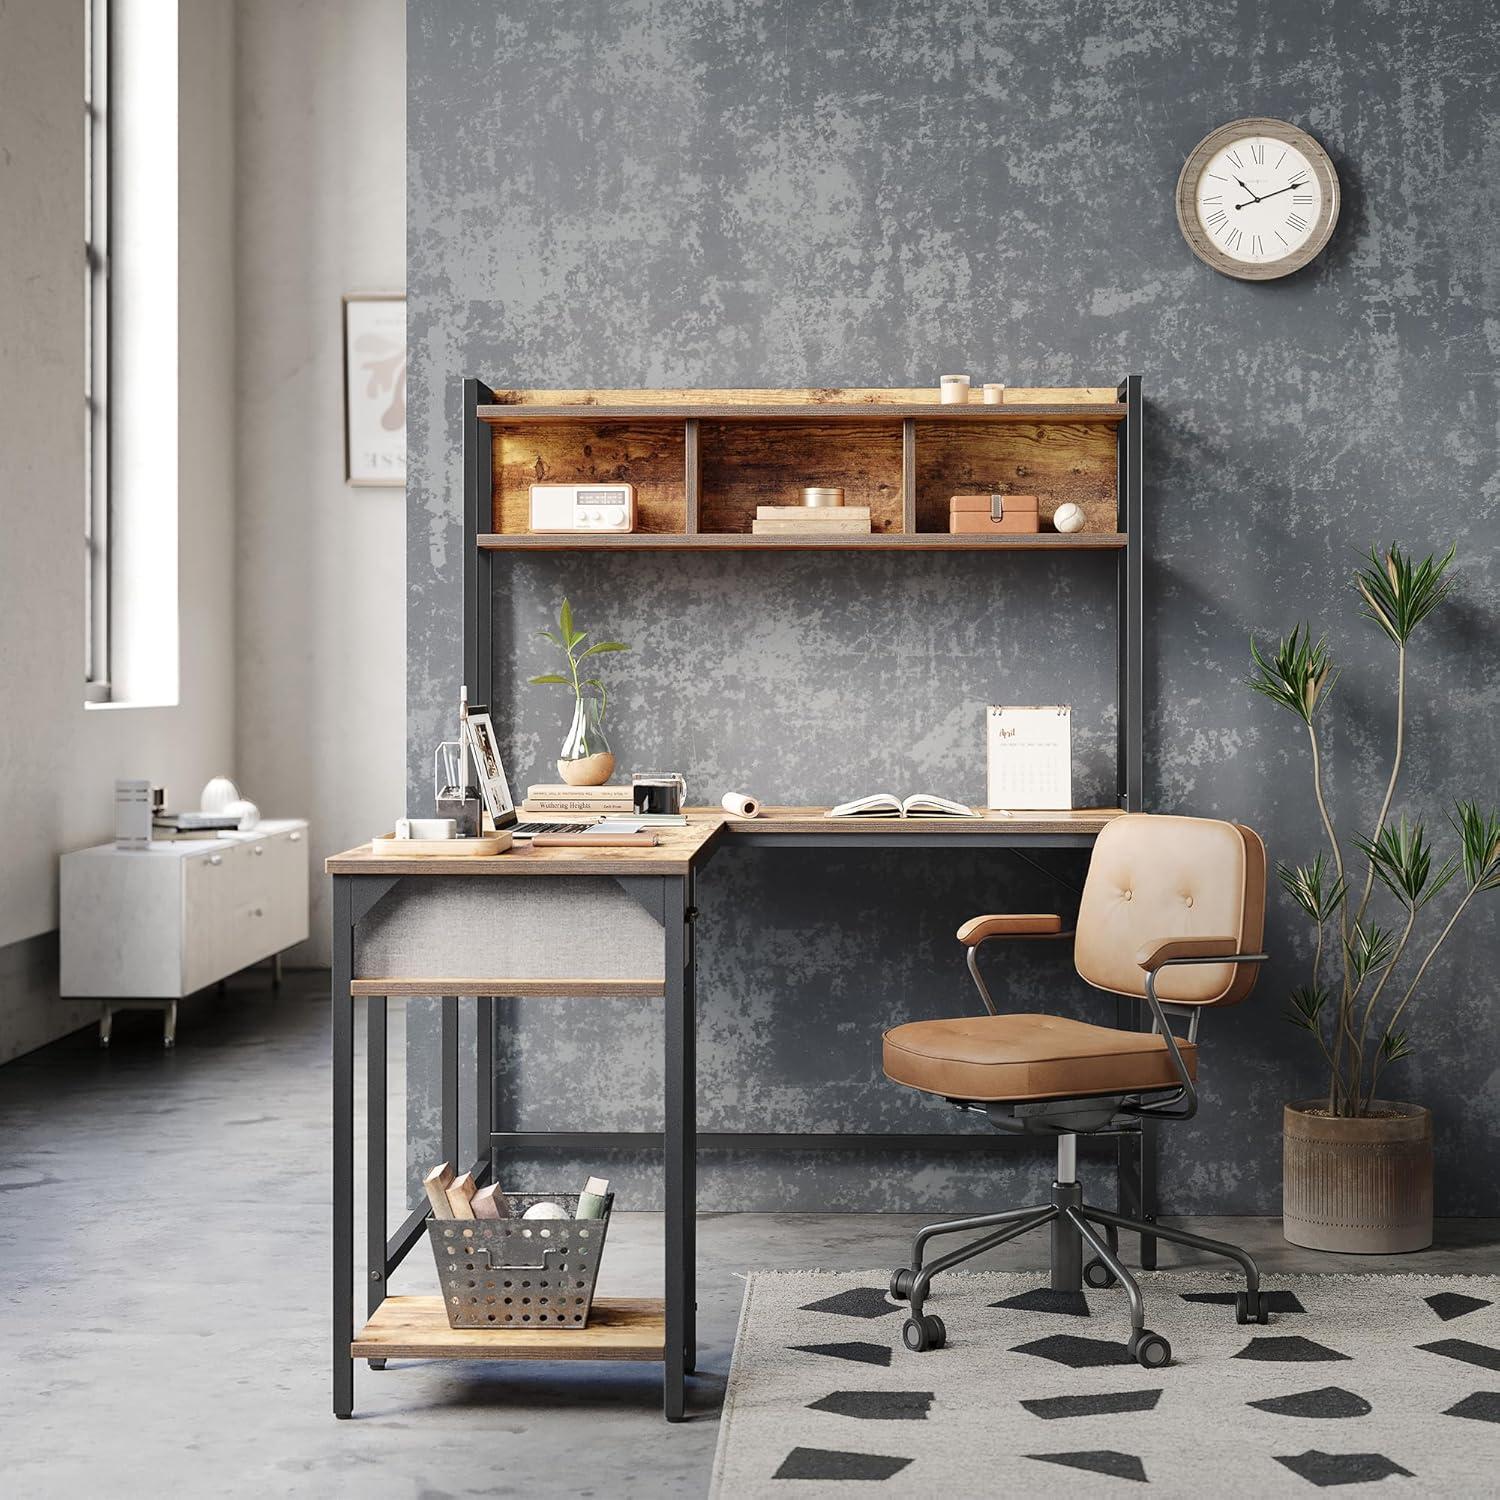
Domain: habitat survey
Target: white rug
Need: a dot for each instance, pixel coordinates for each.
(1359, 1385)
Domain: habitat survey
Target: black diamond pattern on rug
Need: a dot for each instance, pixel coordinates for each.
(830, 1463)
(876, 1406)
(861, 1353)
(1324, 1469)
(1098, 1461)
(1288, 1348)
(1107, 1403)
(1045, 1299)
(857, 1302)
(1276, 1302)
(1078, 1354)
(1326, 1401)
(1450, 1305)
(1482, 1406)
(1466, 1350)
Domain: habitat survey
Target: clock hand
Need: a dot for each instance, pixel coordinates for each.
(1279, 191)
(1248, 189)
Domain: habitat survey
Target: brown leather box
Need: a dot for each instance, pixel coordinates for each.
(993, 514)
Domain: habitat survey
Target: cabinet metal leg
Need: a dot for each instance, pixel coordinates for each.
(106, 1024)
(375, 1152)
(275, 971)
(169, 1024)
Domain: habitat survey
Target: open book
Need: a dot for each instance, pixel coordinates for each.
(883, 805)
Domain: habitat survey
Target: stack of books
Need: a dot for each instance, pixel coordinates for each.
(811, 520)
(581, 803)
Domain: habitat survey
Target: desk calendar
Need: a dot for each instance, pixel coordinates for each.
(1030, 757)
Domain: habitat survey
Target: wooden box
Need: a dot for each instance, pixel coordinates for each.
(993, 514)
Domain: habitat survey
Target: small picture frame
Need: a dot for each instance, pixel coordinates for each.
(484, 750)
(375, 390)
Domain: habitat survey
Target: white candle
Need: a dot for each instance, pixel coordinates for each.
(994, 395)
(954, 390)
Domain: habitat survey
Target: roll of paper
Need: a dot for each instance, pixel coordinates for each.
(739, 805)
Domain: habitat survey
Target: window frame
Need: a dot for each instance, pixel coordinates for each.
(97, 515)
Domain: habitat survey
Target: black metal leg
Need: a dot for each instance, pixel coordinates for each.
(922, 1281)
(484, 1079)
(343, 1149)
(675, 1142)
(375, 1149)
(1147, 1156)
(449, 1123)
(1106, 1252)
(958, 1226)
(1174, 1236)
(690, 1129)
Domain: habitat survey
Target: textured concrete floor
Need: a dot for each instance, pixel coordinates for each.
(165, 1244)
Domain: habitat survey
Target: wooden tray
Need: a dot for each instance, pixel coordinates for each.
(388, 846)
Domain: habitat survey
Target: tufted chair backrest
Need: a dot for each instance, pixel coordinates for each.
(1156, 878)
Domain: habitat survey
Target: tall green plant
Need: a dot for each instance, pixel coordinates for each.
(1350, 1004)
(568, 638)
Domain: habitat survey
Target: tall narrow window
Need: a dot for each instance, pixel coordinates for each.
(96, 506)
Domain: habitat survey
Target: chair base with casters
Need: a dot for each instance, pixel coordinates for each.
(1072, 1224)
(1172, 914)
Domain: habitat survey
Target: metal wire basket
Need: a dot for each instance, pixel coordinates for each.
(520, 1273)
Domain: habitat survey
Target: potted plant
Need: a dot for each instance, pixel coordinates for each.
(1357, 1165)
(586, 759)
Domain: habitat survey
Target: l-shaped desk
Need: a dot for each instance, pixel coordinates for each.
(622, 926)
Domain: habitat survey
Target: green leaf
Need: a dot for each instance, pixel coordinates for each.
(1398, 594)
(1400, 856)
(603, 646)
(1296, 673)
(1310, 887)
(1307, 1002)
(548, 677)
(1368, 948)
(547, 635)
(1394, 1046)
(565, 621)
(1479, 835)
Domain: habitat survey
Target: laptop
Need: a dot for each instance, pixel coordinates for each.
(494, 785)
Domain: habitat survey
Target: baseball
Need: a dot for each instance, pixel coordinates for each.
(1069, 518)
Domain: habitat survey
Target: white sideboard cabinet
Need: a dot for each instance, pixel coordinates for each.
(144, 927)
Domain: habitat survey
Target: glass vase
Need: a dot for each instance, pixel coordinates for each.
(586, 759)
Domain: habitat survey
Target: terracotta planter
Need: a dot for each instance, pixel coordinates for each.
(1360, 1186)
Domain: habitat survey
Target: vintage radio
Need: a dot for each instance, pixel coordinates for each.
(583, 507)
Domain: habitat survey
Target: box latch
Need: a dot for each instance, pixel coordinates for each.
(997, 507)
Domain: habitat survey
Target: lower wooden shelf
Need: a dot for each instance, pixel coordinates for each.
(417, 1328)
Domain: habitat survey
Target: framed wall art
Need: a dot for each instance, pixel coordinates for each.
(375, 390)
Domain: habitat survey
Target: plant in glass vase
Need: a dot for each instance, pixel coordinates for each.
(1358, 1168)
(585, 759)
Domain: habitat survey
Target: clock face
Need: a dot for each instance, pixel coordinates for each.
(1257, 199)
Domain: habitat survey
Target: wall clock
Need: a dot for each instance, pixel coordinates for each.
(1257, 199)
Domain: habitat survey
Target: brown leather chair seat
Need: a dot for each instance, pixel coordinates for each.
(1005, 1058)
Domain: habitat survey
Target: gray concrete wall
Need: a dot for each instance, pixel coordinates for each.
(792, 194)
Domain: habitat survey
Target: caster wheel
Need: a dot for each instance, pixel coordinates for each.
(901, 1281)
(1251, 1307)
(1150, 1350)
(926, 1332)
(376, 1364)
(1098, 1275)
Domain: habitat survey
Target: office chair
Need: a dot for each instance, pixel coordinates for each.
(1172, 913)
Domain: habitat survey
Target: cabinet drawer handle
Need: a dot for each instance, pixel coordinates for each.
(257, 851)
(296, 838)
(216, 859)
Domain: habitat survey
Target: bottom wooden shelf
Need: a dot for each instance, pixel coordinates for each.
(417, 1328)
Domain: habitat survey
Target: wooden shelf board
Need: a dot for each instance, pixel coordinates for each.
(417, 1328)
(776, 820)
(927, 541)
(822, 411)
(588, 988)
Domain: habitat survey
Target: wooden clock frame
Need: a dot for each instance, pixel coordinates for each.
(1203, 244)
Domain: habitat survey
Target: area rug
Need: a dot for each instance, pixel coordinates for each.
(1359, 1385)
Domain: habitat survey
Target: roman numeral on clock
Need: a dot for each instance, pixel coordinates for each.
(1217, 217)
(1258, 151)
(1296, 221)
(1235, 159)
(1303, 198)
(1232, 240)
(1255, 244)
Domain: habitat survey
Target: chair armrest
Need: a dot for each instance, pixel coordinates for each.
(1204, 950)
(1023, 925)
